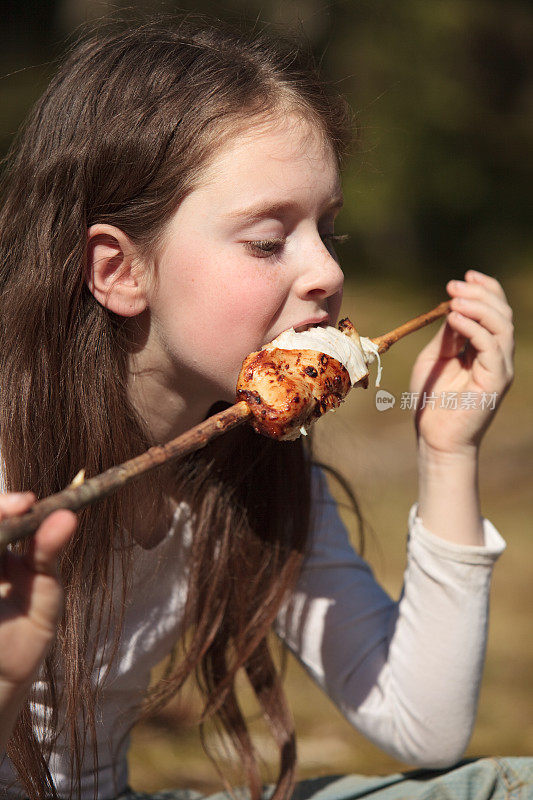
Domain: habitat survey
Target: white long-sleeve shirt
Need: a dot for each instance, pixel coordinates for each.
(405, 673)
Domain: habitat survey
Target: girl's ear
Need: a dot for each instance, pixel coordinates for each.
(114, 276)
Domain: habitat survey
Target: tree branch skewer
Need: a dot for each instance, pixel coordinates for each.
(387, 339)
(100, 486)
(81, 493)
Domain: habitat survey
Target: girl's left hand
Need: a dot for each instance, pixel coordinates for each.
(472, 381)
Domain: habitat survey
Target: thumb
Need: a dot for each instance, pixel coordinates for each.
(50, 539)
(447, 343)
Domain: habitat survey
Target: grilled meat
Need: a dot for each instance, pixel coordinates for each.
(295, 379)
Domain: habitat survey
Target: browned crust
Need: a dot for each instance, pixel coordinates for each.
(287, 389)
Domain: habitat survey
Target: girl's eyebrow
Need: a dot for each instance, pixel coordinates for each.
(262, 211)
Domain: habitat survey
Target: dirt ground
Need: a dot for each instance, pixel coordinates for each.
(376, 452)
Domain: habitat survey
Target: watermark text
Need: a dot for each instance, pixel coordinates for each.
(449, 400)
(412, 401)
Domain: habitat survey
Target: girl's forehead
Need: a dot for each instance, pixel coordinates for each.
(282, 139)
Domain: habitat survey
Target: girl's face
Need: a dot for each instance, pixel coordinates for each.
(246, 255)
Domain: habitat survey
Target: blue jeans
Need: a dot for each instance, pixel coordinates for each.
(479, 779)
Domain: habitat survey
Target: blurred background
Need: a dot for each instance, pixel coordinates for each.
(440, 182)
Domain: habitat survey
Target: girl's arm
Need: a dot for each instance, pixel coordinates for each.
(474, 381)
(30, 605)
(406, 673)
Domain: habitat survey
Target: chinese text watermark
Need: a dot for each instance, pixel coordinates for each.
(412, 401)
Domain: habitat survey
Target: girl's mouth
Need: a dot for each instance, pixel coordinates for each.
(318, 323)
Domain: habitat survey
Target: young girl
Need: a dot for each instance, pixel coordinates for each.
(168, 208)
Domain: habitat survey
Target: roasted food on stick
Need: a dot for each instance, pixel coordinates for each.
(298, 377)
(282, 389)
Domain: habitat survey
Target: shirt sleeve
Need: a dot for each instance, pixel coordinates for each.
(406, 673)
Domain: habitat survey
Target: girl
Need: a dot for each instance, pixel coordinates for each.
(169, 207)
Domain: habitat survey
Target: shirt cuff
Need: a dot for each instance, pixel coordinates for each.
(485, 554)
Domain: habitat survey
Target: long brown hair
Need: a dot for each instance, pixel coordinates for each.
(121, 136)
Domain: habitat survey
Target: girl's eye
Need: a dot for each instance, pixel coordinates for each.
(264, 248)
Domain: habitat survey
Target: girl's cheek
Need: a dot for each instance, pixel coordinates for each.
(250, 294)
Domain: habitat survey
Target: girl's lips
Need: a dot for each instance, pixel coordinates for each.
(319, 322)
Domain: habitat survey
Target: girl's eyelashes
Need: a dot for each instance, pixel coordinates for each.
(264, 248)
(335, 238)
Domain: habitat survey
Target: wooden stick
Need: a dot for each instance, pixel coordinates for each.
(81, 494)
(94, 489)
(384, 342)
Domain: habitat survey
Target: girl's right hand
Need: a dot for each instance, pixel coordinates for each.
(30, 604)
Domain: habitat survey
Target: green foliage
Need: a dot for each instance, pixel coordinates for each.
(443, 92)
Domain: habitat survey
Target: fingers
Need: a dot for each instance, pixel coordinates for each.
(481, 298)
(487, 281)
(489, 356)
(15, 503)
(491, 318)
(468, 294)
(51, 537)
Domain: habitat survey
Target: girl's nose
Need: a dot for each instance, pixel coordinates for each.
(320, 276)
